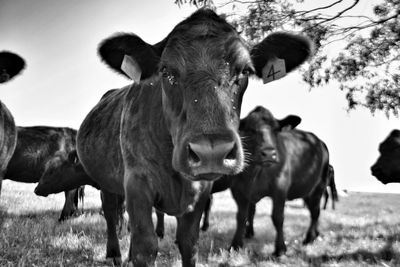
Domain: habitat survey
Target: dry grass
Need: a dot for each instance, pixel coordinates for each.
(364, 230)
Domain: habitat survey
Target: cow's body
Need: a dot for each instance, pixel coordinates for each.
(162, 141)
(300, 170)
(294, 164)
(387, 167)
(10, 65)
(39, 151)
(8, 139)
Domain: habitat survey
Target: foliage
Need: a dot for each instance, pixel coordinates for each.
(357, 43)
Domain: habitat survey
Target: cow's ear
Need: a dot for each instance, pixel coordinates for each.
(280, 53)
(289, 123)
(129, 55)
(10, 65)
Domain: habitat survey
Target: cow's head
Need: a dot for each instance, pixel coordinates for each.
(260, 131)
(63, 173)
(10, 65)
(203, 67)
(387, 168)
(63, 170)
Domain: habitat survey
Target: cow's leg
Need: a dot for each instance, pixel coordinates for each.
(278, 206)
(139, 204)
(160, 224)
(206, 219)
(70, 205)
(250, 221)
(187, 234)
(313, 203)
(243, 206)
(110, 206)
(120, 213)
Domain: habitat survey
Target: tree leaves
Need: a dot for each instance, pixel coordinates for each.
(365, 58)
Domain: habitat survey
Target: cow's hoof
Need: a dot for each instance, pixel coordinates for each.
(310, 237)
(160, 233)
(127, 263)
(236, 245)
(117, 261)
(205, 227)
(280, 249)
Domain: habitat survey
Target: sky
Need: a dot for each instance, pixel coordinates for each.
(65, 78)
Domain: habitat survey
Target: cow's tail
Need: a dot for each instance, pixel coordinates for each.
(332, 185)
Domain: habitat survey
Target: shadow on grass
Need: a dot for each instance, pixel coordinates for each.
(387, 253)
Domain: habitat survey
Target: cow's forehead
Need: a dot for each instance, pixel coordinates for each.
(207, 37)
(262, 117)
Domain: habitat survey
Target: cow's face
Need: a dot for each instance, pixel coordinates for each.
(61, 172)
(203, 67)
(260, 131)
(387, 167)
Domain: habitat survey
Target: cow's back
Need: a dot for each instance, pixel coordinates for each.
(98, 141)
(35, 146)
(8, 137)
(307, 161)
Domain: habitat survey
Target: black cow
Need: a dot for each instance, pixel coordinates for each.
(387, 167)
(330, 190)
(285, 163)
(40, 150)
(161, 142)
(10, 65)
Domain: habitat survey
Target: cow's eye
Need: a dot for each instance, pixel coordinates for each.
(246, 71)
(164, 72)
(167, 75)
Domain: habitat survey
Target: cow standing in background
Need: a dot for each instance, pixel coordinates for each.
(10, 66)
(387, 167)
(284, 163)
(40, 151)
(162, 142)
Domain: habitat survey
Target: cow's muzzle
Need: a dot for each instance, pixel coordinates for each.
(210, 158)
(266, 156)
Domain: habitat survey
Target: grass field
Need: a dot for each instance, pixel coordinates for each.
(364, 230)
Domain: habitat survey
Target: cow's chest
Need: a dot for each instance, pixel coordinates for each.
(180, 196)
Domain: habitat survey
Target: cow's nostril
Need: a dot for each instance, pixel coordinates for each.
(193, 157)
(233, 153)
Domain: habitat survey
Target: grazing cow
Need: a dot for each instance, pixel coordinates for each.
(10, 65)
(40, 151)
(161, 142)
(387, 168)
(331, 187)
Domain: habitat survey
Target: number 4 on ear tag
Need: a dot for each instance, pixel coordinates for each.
(274, 70)
(131, 68)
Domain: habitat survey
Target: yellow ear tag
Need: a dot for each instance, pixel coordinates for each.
(274, 70)
(131, 68)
